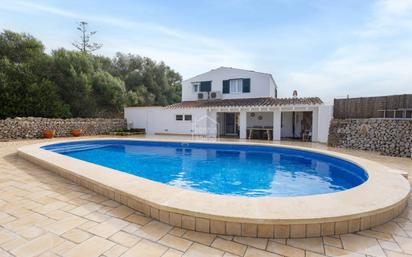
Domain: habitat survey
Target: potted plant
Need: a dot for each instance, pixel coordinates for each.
(49, 133)
(76, 132)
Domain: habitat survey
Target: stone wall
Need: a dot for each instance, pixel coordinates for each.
(391, 137)
(34, 127)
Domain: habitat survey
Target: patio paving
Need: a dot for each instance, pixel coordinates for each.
(42, 214)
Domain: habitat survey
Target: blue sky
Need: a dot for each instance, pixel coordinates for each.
(321, 48)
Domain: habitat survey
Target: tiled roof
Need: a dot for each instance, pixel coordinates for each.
(247, 102)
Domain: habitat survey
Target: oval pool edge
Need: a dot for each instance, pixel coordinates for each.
(346, 211)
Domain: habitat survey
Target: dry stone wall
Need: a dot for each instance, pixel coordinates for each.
(34, 127)
(391, 137)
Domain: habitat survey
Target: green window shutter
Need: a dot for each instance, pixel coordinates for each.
(226, 87)
(246, 86)
(205, 86)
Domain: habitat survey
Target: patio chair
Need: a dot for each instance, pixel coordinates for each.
(307, 136)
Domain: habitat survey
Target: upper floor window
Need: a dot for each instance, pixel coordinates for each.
(196, 87)
(236, 86)
(203, 86)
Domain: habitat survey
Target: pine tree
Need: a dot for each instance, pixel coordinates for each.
(85, 45)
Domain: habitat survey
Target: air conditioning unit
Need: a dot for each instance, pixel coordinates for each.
(216, 95)
(202, 96)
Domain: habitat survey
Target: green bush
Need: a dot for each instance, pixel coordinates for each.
(75, 84)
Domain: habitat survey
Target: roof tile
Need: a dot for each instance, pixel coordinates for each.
(247, 102)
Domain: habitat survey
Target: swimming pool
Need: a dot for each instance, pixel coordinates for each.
(250, 201)
(223, 169)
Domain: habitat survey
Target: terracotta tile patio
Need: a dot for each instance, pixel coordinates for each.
(42, 214)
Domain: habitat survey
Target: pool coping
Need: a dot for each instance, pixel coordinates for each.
(382, 197)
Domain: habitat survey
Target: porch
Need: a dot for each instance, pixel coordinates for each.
(279, 124)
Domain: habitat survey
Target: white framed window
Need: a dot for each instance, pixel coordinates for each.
(236, 85)
(195, 87)
(184, 117)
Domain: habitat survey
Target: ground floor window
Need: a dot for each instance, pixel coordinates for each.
(186, 117)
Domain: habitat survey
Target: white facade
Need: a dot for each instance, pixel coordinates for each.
(138, 117)
(159, 120)
(325, 115)
(261, 84)
(282, 121)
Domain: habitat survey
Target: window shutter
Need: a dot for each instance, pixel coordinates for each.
(246, 86)
(226, 87)
(205, 86)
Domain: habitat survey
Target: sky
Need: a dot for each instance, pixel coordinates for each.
(324, 48)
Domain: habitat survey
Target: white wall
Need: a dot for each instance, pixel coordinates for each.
(266, 121)
(277, 121)
(315, 125)
(137, 117)
(325, 115)
(261, 84)
(243, 116)
(273, 88)
(162, 120)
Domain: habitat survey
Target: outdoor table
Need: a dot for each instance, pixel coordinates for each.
(268, 130)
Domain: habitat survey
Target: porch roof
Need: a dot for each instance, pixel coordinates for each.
(247, 102)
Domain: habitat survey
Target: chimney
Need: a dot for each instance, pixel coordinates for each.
(295, 93)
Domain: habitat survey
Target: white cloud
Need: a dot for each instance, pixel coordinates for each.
(187, 52)
(393, 8)
(184, 57)
(390, 17)
(373, 62)
(30, 7)
(373, 58)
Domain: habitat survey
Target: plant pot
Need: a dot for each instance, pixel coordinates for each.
(76, 132)
(49, 133)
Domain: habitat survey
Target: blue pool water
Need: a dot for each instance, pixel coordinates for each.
(225, 169)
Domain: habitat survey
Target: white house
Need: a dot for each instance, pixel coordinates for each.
(229, 102)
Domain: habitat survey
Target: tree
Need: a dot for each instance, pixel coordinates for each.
(109, 94)
(147, 82)
(25, 89)
(89, 90)
(85, 45)
(73, 72)
(73, 84)
(19, 48)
